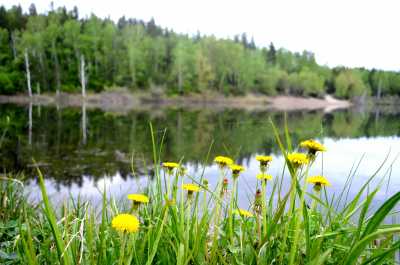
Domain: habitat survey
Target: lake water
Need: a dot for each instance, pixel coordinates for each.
(81, 150)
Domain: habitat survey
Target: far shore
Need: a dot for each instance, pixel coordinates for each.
(125, 101)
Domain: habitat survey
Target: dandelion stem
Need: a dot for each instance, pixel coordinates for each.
(188, 221)
(231, 206)
(290, 212)
(122, 254)
(264, 206)
(297, 229)
(258, 227)
(314, 203)
(217, 213)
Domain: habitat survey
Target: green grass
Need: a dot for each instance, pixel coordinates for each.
(202, 229)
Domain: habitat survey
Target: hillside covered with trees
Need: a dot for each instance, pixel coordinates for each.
(141, 56)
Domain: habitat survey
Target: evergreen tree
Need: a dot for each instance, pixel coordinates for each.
(271, 58)
(32, 10)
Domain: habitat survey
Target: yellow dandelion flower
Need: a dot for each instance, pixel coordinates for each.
(223, 161)
(170, 165)
(236, 169)
(312, 146)
(263, 176)
(140, 198)
(243, 213)
(191, 187)
(318, 180)
(125, 222)
(298, 159)
(264, 160)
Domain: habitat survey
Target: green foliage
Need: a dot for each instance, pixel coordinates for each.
(306, 83)
(141, 55)
(268, 81)
(202, 228)
(184, 65)
(6, 83)
(311, 83)
(349, 84)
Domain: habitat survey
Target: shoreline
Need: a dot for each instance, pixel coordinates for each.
(125, 101)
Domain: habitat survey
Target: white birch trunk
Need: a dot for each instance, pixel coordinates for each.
(28, 73)
(83, 79)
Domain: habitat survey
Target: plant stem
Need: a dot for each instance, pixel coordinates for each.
(293, 250)
(122, 253)
(230, 212)
(217, 213)
(258, 227)
(264, 206)
(289, 215)
(169, 185)
(314, 203)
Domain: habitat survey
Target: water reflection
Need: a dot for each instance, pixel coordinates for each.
(75, 154)
(30, 124)
(367, 154)
(84, 121)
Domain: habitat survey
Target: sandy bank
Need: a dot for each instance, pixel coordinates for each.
(123, 101)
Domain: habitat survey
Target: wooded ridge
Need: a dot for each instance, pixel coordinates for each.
(60, 52)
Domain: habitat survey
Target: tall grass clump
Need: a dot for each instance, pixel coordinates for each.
(181, 219)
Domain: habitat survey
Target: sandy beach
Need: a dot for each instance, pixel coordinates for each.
(124, 101)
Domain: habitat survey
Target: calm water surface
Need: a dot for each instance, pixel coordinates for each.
(81, 150)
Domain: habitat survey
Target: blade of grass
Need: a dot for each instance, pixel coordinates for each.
(159, 233)
(358, 248)
(63, 254)
(380, 214)
(380, 257)
(363, 213)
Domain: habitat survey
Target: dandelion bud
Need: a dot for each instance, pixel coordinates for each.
(182, 171)
(205, 183)
(224, 186)
(258, 202)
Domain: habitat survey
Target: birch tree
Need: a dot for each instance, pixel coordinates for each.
(83, 78)
(28, 73)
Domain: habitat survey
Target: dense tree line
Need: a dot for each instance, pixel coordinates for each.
(141, 56)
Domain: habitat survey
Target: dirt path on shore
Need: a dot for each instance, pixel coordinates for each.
(123, 101)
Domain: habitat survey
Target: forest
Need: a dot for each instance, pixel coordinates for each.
(142, 56)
